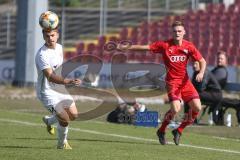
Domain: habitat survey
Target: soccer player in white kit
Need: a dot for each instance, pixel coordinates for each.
(63, 108)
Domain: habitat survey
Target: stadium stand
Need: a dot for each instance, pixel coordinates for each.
(215, 28)
(210, 29)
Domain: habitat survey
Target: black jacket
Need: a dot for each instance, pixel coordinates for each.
(221, 74)
(209, 83)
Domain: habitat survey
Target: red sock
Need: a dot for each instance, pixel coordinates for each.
(167, 118)
(189, 119)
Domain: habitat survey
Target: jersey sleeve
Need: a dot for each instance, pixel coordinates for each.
(196, 55)
(42, 62)
(157, 47)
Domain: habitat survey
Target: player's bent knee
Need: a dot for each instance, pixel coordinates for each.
(197, 108)
(195, 104)
(176, 106)
(175, 110)
(73, 117)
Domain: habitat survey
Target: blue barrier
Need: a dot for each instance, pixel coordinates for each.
(146, 119)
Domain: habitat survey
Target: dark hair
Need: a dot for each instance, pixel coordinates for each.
(177, 23)
(222, 52)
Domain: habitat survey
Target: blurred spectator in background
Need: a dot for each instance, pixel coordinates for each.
(125, 113)
(209, 90)
(221, 74)
(220, 71)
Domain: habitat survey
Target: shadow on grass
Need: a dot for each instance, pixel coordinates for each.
(114, 141)
(14, 147)
(27, 139)
(33, 138)
(30, 138)
(24, 147)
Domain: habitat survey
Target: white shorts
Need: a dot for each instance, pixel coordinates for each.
(56, 102)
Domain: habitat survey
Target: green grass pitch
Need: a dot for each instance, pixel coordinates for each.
(23, 136)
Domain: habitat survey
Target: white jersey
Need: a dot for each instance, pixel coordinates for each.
(48, 58)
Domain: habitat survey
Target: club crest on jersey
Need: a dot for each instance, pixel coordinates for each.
(177, 58)
(170, 50)
(185, 51)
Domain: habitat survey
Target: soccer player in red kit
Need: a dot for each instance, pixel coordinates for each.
(175, 53)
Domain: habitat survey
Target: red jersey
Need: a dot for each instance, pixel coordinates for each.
(176, 57)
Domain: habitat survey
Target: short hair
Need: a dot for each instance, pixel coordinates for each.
(177, 23)
(222, 52)
(45, 30)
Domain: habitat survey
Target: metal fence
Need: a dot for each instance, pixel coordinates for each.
(93, 18)
(7, 29)
(105, 16)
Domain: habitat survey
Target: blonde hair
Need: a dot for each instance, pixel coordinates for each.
(46, 31)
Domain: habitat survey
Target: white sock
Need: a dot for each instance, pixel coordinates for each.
(52, 119)
(62, 134)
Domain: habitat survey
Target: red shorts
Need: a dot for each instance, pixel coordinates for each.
(184, 90)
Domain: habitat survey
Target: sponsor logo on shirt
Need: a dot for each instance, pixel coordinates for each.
(177, 58)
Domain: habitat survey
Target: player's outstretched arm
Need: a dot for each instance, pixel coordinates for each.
(200, 75)
(134, 47)
(52, 77)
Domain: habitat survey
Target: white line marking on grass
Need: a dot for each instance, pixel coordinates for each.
(226, 139)
(121, 136)
(211, 149)
(94, 121)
